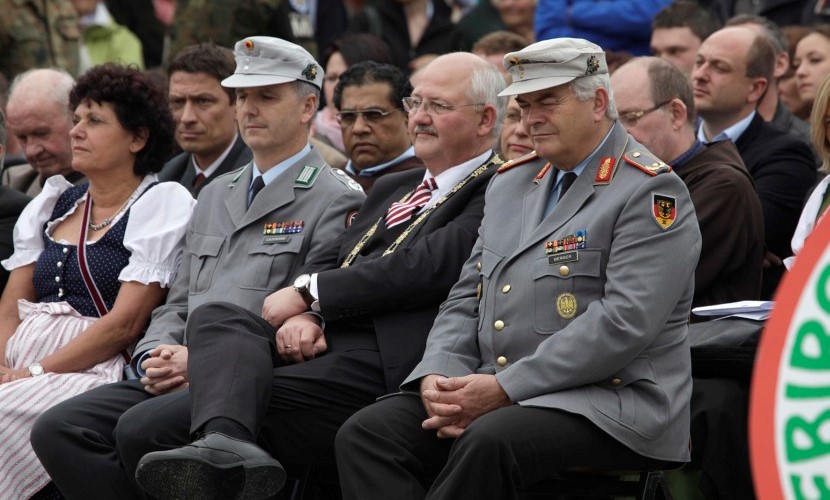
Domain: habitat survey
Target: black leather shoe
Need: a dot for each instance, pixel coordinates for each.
(213, 467)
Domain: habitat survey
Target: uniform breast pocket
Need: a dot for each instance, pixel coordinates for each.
(563, 286)
(268, 266)
(204, 250)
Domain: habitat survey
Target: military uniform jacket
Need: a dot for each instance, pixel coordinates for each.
(599, 331)
(399, 293)
(229, 258)
(180, 167)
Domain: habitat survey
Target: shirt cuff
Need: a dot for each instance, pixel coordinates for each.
(312, 289)
(138, 369)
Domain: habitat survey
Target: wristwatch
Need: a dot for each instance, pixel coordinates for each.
(35, 369)
(303, 286)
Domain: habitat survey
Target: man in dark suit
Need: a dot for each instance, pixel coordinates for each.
(205, 115)
(379, 289)
(732, 71)
(564, 343)
(368, 98)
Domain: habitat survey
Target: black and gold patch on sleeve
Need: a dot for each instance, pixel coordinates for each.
(664, 210)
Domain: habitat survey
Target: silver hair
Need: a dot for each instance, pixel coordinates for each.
(586, 88)
(485, 84)
(304, 88)
(61, 84)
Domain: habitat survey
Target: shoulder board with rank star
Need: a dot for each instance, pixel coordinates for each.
(647, 162)
(517, 161)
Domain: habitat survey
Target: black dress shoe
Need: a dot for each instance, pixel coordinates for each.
(213, 467)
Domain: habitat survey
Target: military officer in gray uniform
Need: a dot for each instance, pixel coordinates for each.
(252, 230)
(564, 343)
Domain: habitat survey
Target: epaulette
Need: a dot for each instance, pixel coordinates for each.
(343, 177)
(647, 162)
(517, 161)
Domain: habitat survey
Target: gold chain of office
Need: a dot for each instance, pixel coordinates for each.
(422, 217)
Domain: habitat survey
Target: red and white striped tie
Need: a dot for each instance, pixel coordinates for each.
(401, 212)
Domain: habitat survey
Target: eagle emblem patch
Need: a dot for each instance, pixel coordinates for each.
(664, 210)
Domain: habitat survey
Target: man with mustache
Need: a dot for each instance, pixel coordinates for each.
(369, 100)
(564, 343)
(38, 115)
(378, 289)
(732, 71)
(205, 115)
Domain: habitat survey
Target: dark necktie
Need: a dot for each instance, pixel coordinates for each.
(256, 187)
(400, 212)
(567, 180)
(198, 181)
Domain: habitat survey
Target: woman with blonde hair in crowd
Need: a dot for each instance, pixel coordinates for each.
(817, 204)
(90, 262)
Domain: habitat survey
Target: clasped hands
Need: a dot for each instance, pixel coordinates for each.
(165, 369)
(452, 404)
(299, 336)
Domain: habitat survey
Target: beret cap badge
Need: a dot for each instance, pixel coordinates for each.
(593, 65)
(310, 72)
(249, 45)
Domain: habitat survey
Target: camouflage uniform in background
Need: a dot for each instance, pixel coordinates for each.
(38, 34)
(227, 21)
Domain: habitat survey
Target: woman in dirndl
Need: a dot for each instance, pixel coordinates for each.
(90, 262)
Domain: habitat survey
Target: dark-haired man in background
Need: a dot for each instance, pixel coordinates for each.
(205, 115)
(368, 98)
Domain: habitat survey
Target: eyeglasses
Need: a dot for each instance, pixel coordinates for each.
(631, 119)
(413, 104)
(370, 116)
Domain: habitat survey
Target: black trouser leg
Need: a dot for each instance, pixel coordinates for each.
(75, 440)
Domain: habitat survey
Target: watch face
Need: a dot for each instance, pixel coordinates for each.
(36, 370)
(302, 281)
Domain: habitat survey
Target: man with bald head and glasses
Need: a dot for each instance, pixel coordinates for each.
(728, 210)
(368, 98)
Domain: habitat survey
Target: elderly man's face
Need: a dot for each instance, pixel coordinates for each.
(560, 125)
(374, 128)
(42, 128)
(653, 128)
(447, 134)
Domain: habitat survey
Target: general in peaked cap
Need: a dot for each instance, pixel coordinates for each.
(550, 63)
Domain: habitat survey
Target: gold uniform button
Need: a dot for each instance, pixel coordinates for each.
(564, 271)
(498, 325)
(478, 266)
(616, 381)
(501, 361)
(505, 288)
